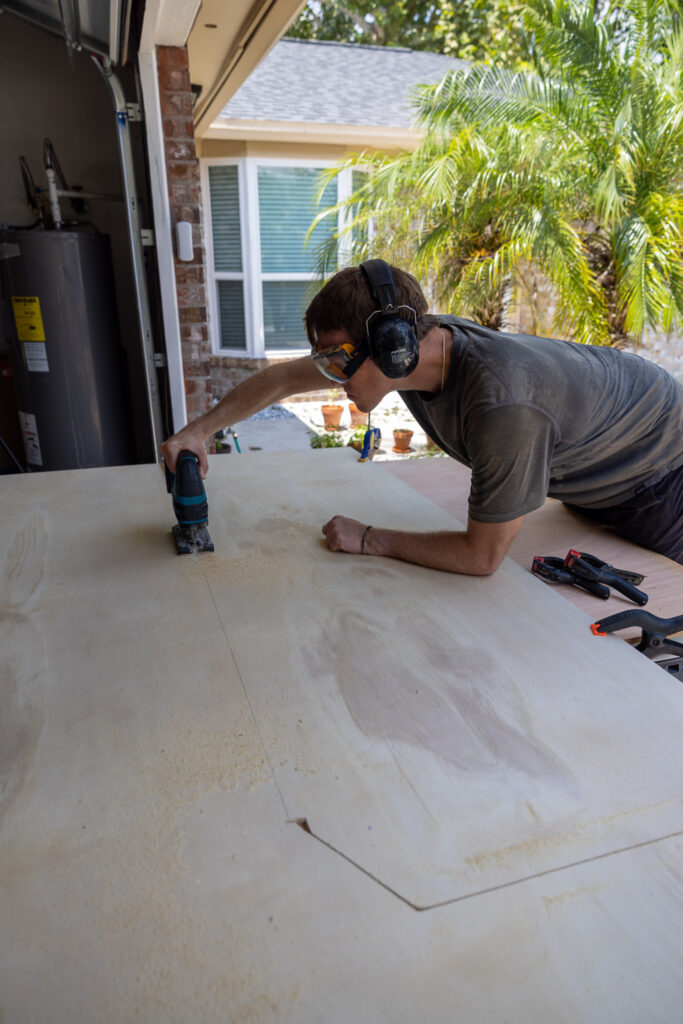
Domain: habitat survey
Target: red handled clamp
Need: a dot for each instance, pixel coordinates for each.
(589, 568)
(554, 570)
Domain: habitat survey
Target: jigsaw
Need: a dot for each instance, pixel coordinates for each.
(189, 504)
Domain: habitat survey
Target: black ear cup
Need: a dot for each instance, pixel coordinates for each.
(393, 346)
(392, 340)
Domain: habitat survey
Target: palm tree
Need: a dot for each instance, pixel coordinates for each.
(571, 171)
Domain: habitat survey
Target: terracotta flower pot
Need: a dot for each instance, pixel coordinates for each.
(402, 440)
(358, 418)
(332, 415)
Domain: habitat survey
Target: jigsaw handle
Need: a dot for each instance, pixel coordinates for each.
(189, 497)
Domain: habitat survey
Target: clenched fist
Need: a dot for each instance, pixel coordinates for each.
(342, 534)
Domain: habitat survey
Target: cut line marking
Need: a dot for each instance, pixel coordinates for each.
(303, 824)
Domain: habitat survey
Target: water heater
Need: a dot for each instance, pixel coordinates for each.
(60, 314)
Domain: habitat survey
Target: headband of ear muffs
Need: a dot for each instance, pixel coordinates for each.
(392, 340)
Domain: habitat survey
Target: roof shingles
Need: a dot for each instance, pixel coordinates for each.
(314, 82)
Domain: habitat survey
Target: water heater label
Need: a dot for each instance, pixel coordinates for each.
(28, 318)
(35, 355)
(31, 442)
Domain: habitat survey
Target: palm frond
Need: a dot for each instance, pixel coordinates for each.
(575, 167)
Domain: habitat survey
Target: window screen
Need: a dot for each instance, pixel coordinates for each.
(231, 313)
(287, 207)
(225, 218)
(284, 305)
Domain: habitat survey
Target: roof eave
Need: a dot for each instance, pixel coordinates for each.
(375, 137)
(227, 43)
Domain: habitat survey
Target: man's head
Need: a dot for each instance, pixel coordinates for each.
(346, 303)
(337, 326)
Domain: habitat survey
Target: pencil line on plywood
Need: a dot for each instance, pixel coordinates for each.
(555, 870)
(304, 825)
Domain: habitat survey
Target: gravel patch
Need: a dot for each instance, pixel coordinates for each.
(273, 412)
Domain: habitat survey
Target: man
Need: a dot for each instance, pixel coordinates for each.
(600, 429)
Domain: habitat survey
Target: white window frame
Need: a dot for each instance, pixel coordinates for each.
(213, 276)
(250, 233)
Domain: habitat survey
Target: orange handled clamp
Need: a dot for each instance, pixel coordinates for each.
(654, 640)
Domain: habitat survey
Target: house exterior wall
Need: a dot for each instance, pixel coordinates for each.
(231, 366)
(229, 371)
(207, 376)
(184, 194)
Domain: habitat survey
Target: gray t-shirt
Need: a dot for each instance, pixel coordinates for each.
(538, 416)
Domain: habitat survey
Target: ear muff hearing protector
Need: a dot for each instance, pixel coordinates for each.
(392, 340)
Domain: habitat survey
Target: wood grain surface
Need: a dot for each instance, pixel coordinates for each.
(232, 785)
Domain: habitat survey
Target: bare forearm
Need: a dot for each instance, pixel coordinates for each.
(450, 552)
(476, 551)
(262, 389)
(257, 392)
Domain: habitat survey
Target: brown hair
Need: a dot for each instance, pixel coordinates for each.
(345, 302)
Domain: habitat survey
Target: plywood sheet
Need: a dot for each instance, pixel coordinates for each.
(448, 734)
(163, 719)
(241, 918)
(120, 710)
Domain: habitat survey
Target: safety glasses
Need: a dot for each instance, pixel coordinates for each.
(340, 362)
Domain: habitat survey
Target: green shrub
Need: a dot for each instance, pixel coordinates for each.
(330, 440)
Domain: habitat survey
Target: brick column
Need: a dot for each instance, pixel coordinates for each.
(182, 168)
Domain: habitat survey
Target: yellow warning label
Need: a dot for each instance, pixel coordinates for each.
(28, 318)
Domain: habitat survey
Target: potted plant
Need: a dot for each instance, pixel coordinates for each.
(358, 418)
(332, 412)
(402, 439)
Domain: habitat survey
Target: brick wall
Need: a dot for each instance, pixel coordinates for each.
(228, 371)
(182, 168)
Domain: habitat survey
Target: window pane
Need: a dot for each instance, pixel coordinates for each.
(225, 218)
(287, 206)
(284, 305)
(231, 313)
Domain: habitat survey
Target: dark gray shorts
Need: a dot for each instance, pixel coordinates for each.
(652, 518)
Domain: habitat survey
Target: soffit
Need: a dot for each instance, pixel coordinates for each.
(354, 137)
(226, 43)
